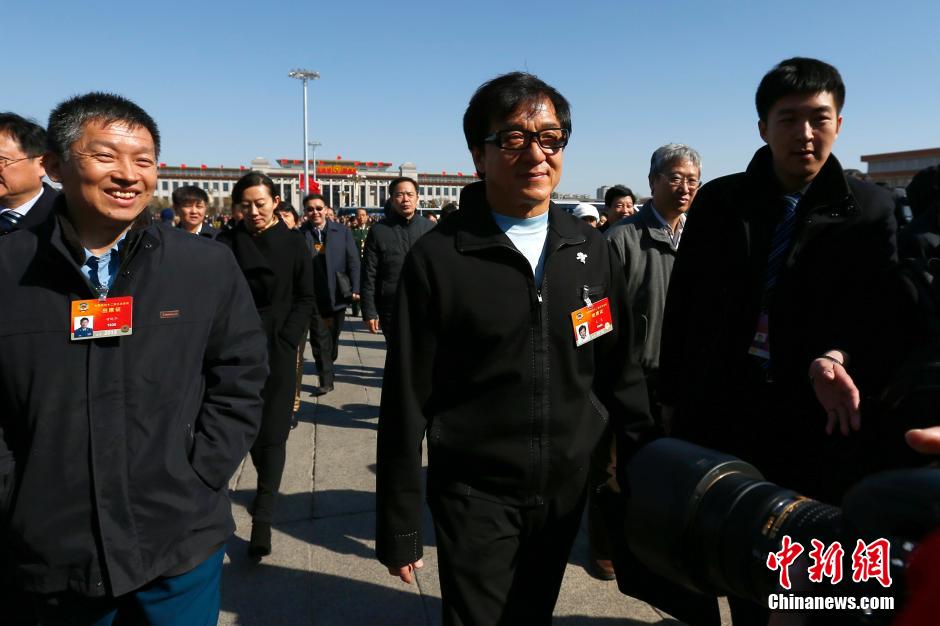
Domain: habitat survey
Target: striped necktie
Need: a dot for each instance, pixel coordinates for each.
(8, 221)
(780, 245)
(779, 249)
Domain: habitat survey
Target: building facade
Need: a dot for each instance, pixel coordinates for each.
(343, 183)
(895, 169)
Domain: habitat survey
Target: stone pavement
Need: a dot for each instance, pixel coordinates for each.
(322, 570)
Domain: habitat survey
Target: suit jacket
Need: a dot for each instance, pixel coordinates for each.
(341, 255)
(207, 231)
(41, 210)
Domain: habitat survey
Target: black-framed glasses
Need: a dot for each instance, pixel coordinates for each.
(676, 180)
(5, 162)
(550, 139)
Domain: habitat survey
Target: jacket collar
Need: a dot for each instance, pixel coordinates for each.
(478, 229)
(654, 227)
(828, 193)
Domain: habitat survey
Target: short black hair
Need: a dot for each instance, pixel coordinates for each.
(449, 208)
(68, 119)
(252, 179)
(30, 135)
(189, 193)
(616, 192)
(401, 179)
(84, 319)
(285, 207)
(497, 99)
(312, 196)
(923, 192)
(798, 75)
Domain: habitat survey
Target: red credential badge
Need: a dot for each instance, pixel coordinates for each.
(590, 322)
(94, 319)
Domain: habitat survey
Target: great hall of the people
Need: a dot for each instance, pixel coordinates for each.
(343, 183)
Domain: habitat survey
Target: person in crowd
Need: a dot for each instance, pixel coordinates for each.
(25, 200)
(772, 329)
(287, 215)
(587, 212)
(167, 217)
(619, 202)
(190, 202)
(275, 262)
(136, 434)
(336, 278)
(360, 232)
(646, 244)
(384, 252)
(447, 209)
(921, 238)
(484, 359)
(237, 215)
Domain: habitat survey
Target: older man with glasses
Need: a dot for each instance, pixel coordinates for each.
(488, 359)
(25, 200)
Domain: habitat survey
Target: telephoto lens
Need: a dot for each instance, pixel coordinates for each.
(708, 520)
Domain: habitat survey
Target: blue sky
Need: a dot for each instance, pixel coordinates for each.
(396, 76)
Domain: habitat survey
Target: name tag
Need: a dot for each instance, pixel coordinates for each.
(760, 344)
(94, 319)
(590, 322)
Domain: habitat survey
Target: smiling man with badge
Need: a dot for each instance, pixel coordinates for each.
(120, 470)
(490, 358)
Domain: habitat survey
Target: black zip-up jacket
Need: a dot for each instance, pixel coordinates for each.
(388, 242)
(485, 361)
(123, 447)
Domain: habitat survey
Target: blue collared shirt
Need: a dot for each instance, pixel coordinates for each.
(102, 270)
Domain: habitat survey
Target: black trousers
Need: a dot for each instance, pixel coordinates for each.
(269, 451)
(324, 342)
(503, 564)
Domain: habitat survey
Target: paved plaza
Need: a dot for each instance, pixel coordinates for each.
(323, 569)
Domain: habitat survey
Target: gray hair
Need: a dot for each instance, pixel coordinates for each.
(670, 153)
(68, 119)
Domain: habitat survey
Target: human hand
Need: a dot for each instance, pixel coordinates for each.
(355, 297)
(405, 571)
(924, 440)
(373, 326)
(836, 393)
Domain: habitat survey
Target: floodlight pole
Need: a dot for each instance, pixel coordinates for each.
(305, 75)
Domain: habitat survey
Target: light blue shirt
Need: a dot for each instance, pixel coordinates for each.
(102, 270)
(529, 236)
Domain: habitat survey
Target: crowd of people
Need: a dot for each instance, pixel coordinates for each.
(762, 314)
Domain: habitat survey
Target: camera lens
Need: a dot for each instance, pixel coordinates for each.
(707, 520)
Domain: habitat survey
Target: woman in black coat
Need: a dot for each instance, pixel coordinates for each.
(277, 267)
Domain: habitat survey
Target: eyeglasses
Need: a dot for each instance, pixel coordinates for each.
(318, 209)
(676, 180)
(398, 195)
(549, 139)
(5, 162)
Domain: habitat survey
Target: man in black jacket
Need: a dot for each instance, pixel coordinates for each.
(24, 199)
(335, 280)
(384, 253)
(190, 203)
(123, 443)
(486, 358)
(772, 335)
